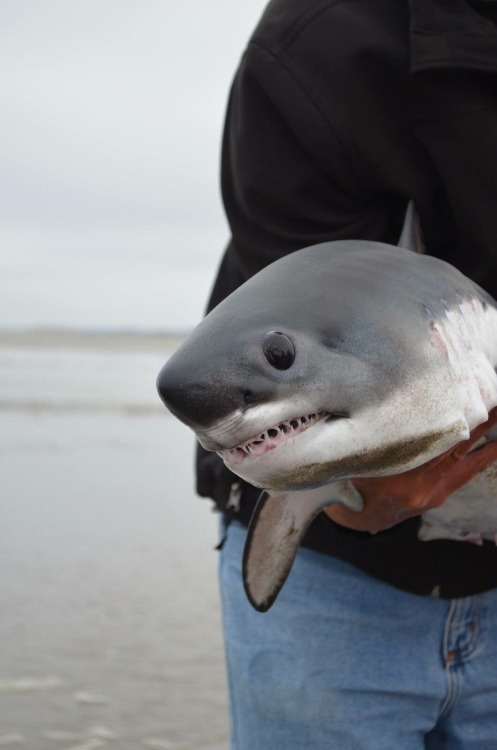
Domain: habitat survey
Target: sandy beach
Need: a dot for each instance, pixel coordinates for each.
(110, 627)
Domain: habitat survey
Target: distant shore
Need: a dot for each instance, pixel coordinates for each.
(76, 339)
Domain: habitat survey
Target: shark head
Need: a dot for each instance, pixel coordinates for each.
(305, 374)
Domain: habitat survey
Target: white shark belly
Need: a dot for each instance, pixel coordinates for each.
(469, 514)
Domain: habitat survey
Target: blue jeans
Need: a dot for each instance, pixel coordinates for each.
(343, 661)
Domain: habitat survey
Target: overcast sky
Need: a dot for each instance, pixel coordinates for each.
(112, 112)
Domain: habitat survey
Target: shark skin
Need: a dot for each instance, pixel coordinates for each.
(343, 360)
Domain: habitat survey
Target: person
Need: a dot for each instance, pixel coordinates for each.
(342, 111)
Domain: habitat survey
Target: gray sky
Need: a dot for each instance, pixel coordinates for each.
(112, 114)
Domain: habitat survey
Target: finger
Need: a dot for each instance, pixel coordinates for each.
(465, 470)
(433, 482)
(446, 461)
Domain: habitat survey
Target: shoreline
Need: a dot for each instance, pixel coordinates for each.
(90, 340)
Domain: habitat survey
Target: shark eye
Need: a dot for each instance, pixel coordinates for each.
(278, 350)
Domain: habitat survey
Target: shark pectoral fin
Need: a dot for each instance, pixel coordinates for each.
(277, 527)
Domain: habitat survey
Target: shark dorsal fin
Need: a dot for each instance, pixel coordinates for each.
(411, 237)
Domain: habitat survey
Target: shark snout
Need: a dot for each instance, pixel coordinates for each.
(192, 399)
(200, 398)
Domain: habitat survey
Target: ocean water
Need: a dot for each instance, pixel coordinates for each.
(110, 627)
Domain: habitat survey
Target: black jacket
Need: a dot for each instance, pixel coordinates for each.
(340, 112)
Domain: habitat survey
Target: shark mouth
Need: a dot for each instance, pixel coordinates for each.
(270, 439)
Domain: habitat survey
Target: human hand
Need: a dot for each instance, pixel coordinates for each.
(390, 500)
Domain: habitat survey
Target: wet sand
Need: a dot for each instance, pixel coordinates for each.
(110, 627)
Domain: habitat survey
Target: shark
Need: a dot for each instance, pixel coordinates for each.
(342, 360)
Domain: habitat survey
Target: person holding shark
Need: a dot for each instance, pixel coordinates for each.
(382, 637)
